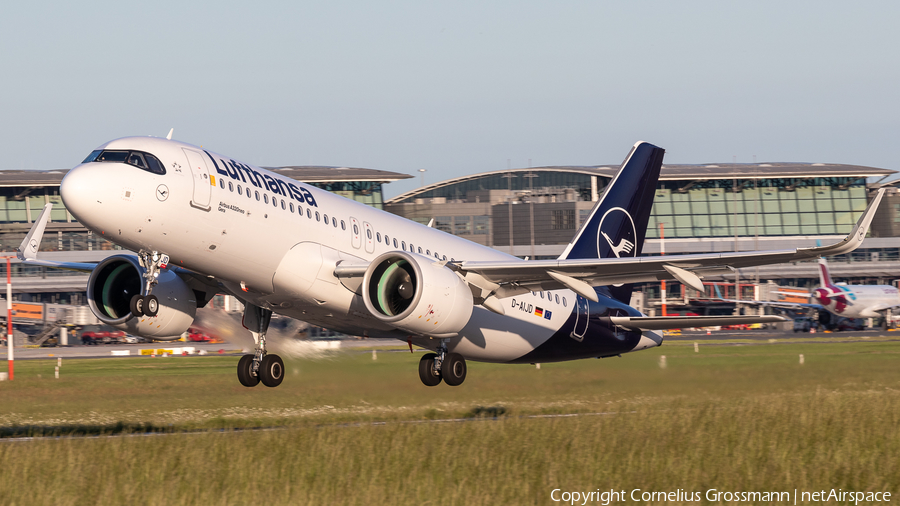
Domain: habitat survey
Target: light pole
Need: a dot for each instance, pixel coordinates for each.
(9, 330)
(423, 171)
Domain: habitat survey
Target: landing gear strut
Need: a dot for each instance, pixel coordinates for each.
(146, 304)
(260, 366)
(449, 367)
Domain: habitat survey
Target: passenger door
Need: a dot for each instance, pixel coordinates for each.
(202, 183)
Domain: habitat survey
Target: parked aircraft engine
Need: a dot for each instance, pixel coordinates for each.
(416, 294)
(118, 278)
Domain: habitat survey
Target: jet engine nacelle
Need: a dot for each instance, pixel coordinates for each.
(118, 278)
(416, 294)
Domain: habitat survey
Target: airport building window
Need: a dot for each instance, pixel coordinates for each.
(462, 225)
(562, 219)
(444, 223)
(482, 225)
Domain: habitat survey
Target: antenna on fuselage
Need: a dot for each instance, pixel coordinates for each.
(169, 137)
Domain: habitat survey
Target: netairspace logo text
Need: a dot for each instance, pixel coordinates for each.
(606, 497)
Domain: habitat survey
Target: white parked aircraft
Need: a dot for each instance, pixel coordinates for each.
(847, 301)
(204, 223)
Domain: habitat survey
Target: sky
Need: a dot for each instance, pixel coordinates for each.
(455, 88)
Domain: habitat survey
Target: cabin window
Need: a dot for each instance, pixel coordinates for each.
(291, 206)
(428, 252)
(404, 245)
(378, 236)
(420, 250)
(326, 219)
(239, 190)
(318, 216)
(343, 225)
(557, 299)
(355, 229)
(257, 194)
(221, 183)
(564, 302)
(308, 213)
(266, 198)
(285, 207)
(395, 243)
(334, 221)
(230, 186)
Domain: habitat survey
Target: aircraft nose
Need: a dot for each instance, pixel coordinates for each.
(78, 191)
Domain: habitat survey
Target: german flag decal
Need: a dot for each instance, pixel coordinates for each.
(538, 312)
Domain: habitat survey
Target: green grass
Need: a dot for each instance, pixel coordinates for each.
(729, 417)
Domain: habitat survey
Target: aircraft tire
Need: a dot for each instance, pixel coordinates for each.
(271, 370)
(245, 375)
(151, 305)
(137, 305)
(427, 374)
(453, 370)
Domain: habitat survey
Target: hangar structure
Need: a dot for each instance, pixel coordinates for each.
(534, 212)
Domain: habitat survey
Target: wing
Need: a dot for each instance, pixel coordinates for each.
(508, 278)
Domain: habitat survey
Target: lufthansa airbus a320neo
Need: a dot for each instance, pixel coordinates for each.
(203, 224)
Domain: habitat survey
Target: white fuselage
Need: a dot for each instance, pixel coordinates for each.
(275, 242)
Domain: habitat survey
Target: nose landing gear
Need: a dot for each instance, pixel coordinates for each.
(260, 366)
(146, 304)
(449, 367)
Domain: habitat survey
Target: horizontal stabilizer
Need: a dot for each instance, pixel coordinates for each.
(683, 322)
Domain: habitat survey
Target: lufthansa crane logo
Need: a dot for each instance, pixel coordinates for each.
(618, 233)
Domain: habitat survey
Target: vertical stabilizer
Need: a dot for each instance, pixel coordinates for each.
(618, 223)
(824, 275)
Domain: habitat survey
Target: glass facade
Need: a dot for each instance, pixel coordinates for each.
(519, 182)
(767, 207)
(367, 192)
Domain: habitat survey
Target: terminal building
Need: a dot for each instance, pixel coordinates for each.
(535, 212)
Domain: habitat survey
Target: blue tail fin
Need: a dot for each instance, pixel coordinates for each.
(618, 223)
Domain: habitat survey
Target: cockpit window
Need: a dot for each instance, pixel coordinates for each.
(93, 156)
(136, 159)
(113, 156)
(139, 159)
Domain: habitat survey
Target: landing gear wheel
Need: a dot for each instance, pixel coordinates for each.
(137, 305)
(151, 305)
(429, 376)
(271, 370)
(453, 370)
(245, 372)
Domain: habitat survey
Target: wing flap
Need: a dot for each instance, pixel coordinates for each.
(681, 322)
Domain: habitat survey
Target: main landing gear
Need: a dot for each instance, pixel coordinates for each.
(145, 304)
(449, 367)
(259, 366)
